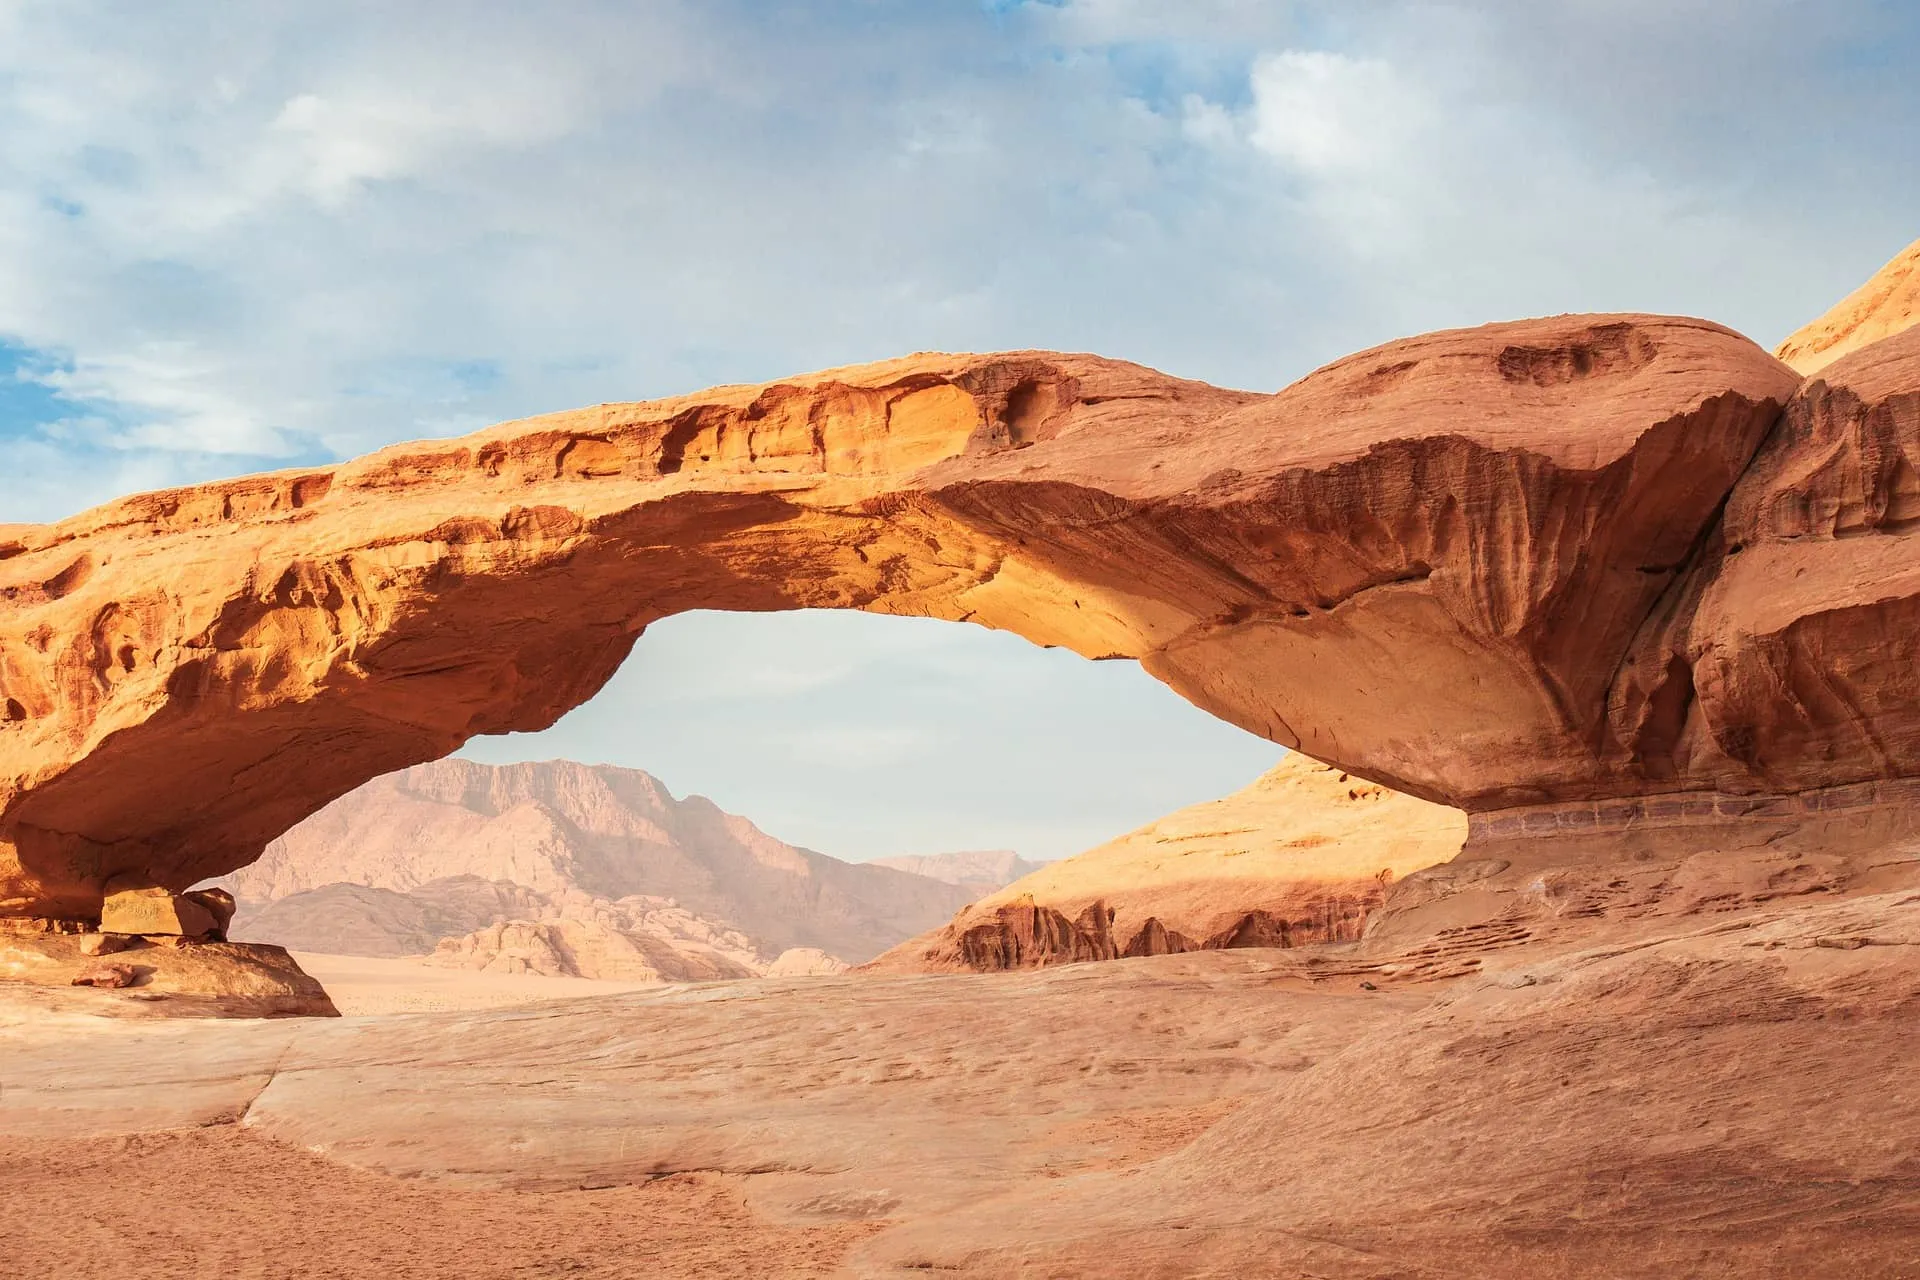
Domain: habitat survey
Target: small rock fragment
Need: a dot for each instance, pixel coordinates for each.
(1853, 943)
(103, 944)
(105, 975)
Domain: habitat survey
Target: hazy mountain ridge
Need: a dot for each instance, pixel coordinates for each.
(456, 843)
(979, 870)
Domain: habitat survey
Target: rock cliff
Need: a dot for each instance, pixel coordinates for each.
(1485, 567)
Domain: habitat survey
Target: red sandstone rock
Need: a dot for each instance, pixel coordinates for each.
(218, 904)
(105, 975)
(148, 910)
(1788, 658)
(192, 978)
(102, 944)
(1460, 537)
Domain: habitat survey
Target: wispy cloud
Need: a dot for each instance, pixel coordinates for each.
(277, 243)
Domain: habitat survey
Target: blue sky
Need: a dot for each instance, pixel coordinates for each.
(238, 237)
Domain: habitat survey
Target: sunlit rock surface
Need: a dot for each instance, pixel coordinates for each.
(1887, 304)
(1304, 855)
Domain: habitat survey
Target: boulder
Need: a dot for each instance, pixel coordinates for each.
(219, 904)
(105, 975)
(145, 909)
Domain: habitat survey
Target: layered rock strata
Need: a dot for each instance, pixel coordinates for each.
(1487, 567)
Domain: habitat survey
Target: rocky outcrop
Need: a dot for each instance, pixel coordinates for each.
(1460, 536)
(1887, 304)
(1784, 659)
(164, 975)
(151, 910)
(1304, 855)
(634, 939)
(1026, 935)
(364, 920)
(804, 962)
(450, 848)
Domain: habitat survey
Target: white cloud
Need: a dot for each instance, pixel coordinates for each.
(1328, 113)
(1108, 22)
(285, 240)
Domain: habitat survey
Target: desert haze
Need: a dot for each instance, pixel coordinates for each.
(569, 870)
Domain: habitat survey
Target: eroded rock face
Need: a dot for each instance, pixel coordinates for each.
(1428, 563)
(1788, 658)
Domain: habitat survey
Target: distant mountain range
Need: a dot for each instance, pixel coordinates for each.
(980, 871)
(599, 870)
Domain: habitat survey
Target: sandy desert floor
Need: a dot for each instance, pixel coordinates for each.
(370, 985)
(1729, 1096)
(241, 1206)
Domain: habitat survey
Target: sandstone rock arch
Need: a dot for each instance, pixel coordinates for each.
(1485, 566)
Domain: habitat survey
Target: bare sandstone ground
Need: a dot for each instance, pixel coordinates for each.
(1705, 1092)
(363, 985)
(245, 1207)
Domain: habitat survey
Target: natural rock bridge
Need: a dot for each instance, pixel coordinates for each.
(1537, 564)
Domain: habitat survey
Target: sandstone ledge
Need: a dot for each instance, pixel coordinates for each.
(171, 977)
